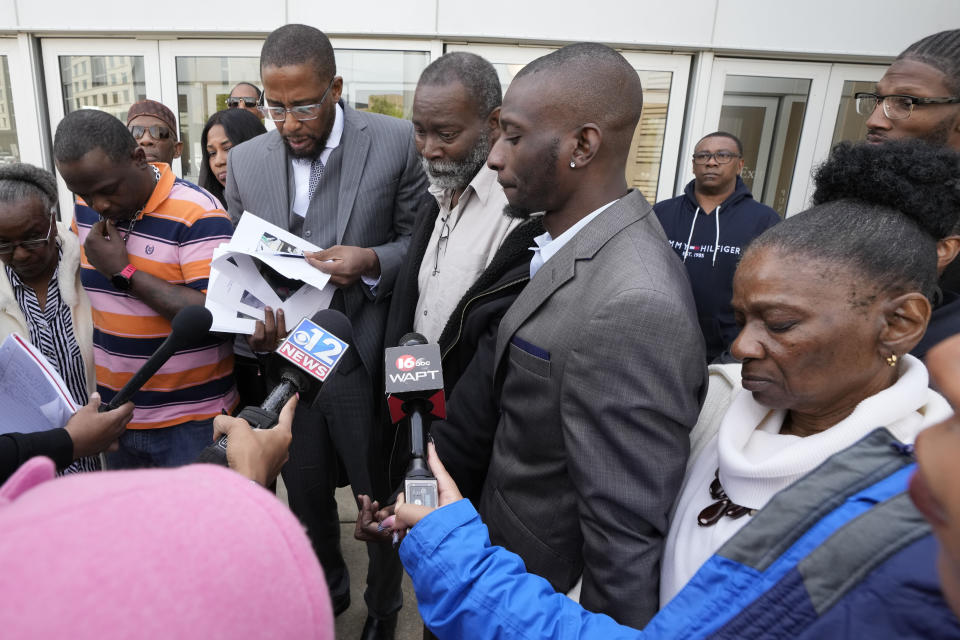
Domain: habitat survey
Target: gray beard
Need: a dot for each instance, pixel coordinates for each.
(457, 174)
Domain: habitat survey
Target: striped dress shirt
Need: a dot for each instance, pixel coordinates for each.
(51, 332)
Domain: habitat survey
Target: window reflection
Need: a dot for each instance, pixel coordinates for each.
(108, 83)
(203, 86)
(381, 81)
(9, 148)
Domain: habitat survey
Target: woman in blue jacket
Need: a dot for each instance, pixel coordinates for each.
(829, 316)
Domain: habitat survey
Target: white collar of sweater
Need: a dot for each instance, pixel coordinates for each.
(756, 461)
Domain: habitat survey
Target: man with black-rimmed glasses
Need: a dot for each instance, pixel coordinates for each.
(918, 97)
(349, 182)
(710, 248)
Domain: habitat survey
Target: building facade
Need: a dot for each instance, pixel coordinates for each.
(780, 75)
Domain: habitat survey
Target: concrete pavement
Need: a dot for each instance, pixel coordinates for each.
(349, 624)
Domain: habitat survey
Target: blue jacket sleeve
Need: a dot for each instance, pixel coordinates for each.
(468, 588)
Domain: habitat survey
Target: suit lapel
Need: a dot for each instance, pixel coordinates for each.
(275, 174)
(551, 276)
(562, 266)
(356, 145)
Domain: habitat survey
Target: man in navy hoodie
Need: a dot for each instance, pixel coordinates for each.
(709, 226)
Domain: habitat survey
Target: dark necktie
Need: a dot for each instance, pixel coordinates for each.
(316, 170)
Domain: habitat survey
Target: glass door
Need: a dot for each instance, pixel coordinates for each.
(109, 75)
(773, 107)
(840, 120)
(753, 117)
(653, 156)
(20, 135)
(197, 77)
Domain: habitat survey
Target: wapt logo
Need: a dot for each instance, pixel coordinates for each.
(313, 349)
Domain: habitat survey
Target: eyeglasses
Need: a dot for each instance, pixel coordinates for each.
(444, 236)
(895, 107)
(301, 113)
(722, 157)
(6, 248)
(249, 103)
(157, 131)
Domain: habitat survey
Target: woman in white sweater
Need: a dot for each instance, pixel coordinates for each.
(830, 308)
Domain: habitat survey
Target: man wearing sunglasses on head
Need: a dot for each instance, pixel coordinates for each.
(709, 226)
(349, 182)
(155, 130)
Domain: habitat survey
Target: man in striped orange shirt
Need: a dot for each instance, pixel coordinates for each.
(148, 238)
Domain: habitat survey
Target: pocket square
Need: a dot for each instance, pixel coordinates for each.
(532, 349)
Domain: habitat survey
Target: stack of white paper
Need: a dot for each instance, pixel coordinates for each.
(33, 395)
(238, 291)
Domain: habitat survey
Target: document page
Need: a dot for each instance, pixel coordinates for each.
(33, 395)
(263, 266)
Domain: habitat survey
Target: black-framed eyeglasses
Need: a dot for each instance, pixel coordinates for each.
(301, 113)
(895, 106)
(157, 131)
(249, 103)
(722, 157)
(6, 248)
(444, 236)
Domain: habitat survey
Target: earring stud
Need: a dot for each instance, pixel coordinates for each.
(892, 359)
(573, 165)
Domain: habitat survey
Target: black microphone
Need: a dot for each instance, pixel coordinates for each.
(188, 328)
(414, 386)
(303, 361)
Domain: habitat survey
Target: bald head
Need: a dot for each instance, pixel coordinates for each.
(582, 80)
(567, 122)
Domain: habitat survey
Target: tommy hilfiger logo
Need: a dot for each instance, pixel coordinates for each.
(700, 250)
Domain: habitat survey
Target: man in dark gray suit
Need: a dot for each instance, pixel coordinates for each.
(600, 359)
(349, 182)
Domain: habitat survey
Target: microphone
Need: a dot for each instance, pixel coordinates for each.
(414, 386)
(305, 358)
(188, 327)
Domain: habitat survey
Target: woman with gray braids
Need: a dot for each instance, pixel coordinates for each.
(41, 298)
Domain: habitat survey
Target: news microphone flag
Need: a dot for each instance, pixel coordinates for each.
(312, 349)
(314, 352)
(414, 371)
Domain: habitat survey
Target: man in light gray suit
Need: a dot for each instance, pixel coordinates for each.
(349, 182)
(600, 360)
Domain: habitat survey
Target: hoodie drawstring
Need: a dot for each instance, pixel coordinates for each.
(686, 251)
(716, 242)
